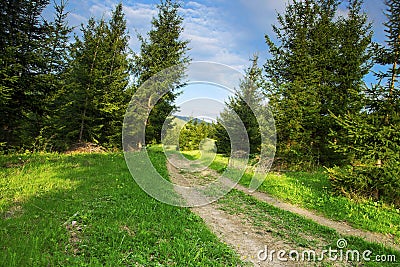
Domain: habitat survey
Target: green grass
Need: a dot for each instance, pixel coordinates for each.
(86, 210)
(298, 232)
(313, 191)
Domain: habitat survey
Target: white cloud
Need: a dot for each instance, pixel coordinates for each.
(100, 10)
(211, 38)
(263, 12)
(76, 19)
(342, 12)
(138, 20)
(139, 16)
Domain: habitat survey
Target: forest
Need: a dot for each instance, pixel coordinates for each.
(68, 194)
(59, 89)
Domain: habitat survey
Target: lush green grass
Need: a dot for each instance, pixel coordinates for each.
(313, 191)
(86, 210)
(298, 232)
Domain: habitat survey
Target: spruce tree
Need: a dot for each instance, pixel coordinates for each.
(117, 92)
(163, 49)
(370, 145)
(97, 91)
(57, 59)
(79, 115)
(292, 81)
(316, 68)
(385, 95)
(192, 134)
(246, 100)
(22, 36)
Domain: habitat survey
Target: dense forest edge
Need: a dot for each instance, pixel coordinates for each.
(59, 90)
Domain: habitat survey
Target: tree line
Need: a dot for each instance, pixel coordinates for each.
(56, 91)
(325, 114)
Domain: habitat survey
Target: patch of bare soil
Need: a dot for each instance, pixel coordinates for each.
(75, 237)
(13, 211)
(85, 147)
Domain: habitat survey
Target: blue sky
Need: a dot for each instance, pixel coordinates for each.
(223, 31)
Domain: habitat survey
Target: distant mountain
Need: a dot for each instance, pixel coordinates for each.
(186, 119)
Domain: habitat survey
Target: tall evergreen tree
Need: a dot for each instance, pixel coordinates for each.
(58, 34)
(247, 98)
(316, 68)
(118, 70)
(22, 36)
(56, 53)
(79, 115)
(385, 97)
(164, 48)
(192, 134)
(371, 144)
(97, 94)
(381, 104)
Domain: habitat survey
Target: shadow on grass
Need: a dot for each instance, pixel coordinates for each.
(104, 219)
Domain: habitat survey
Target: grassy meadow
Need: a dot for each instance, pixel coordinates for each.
(86, 210)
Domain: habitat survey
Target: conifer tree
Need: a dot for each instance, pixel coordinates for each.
(22, 36)
(385, 97)
(382, 103)
(57, 59)
(316, 68)
(97, 94)
(117, 91)
(192, 133)
(247, 95)
(163, 49)
(370, 145)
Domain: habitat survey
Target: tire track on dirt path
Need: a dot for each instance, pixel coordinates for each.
(342, 228)
(243, 238)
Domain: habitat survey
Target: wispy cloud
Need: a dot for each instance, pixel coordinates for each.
(223, 31)
(211, 38)
(138, 19)
(75, 19)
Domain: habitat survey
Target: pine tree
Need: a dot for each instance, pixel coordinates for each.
(116, 95)
(385, 97)
(343, 70)
(293, 78)
(58, 34)
(163, 49)
(192, 134)
(80, 115)
(246, 100)
(316, 68)
(381, 104)
(370, 144)
(22, 37)
(57, 59)
(97, 90)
